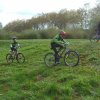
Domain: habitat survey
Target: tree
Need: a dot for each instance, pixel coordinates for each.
(1, 25)
(95, 16)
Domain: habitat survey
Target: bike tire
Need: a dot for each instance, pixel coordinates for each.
(20, 58)
(71, 58)
(9, 58)
(49, 59)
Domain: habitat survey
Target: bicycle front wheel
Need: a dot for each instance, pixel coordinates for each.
(9, 58)
(71, 58)
(20, 58)
(49, 59)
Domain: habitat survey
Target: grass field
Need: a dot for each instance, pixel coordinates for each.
(32, 80)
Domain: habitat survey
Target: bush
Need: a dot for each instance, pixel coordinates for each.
(44, 34)
(28, 34)
(77, 33)
(3, 34)
(47, 33)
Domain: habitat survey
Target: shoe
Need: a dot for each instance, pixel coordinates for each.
(57, 62)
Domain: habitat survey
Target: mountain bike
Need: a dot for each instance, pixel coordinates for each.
(15, 55)
(70, 57)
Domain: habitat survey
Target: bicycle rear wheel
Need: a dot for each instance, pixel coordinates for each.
(20, 58)
(49, 59)
(71, 58)
(9, 58)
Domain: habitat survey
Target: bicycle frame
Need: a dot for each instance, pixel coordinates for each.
(62, 50)
(13, 53)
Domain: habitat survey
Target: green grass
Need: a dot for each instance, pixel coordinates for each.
(32, 80)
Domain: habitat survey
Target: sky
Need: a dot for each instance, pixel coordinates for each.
(11, 10)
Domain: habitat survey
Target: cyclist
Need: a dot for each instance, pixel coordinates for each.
(14, 45)
(98, 32)
(58, 41)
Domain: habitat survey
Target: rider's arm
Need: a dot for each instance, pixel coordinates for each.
(18, 45)
(64, 42)
(57, 41)
(10, 45)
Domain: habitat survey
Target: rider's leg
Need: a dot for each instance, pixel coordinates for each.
(12, 50)
(97, 38)
(54, 46)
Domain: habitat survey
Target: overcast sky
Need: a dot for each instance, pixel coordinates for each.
(25, 9)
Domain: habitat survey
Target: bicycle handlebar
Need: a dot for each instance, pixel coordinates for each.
(66, 44)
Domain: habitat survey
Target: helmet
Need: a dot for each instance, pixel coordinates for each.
(62, 33)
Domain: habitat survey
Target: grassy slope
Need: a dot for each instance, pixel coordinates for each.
(34, 81)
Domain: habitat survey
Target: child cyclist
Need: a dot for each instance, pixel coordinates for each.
(14, 45)
(58, 41)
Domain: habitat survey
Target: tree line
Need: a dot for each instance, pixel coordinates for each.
(73, 21)
(60, 20)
